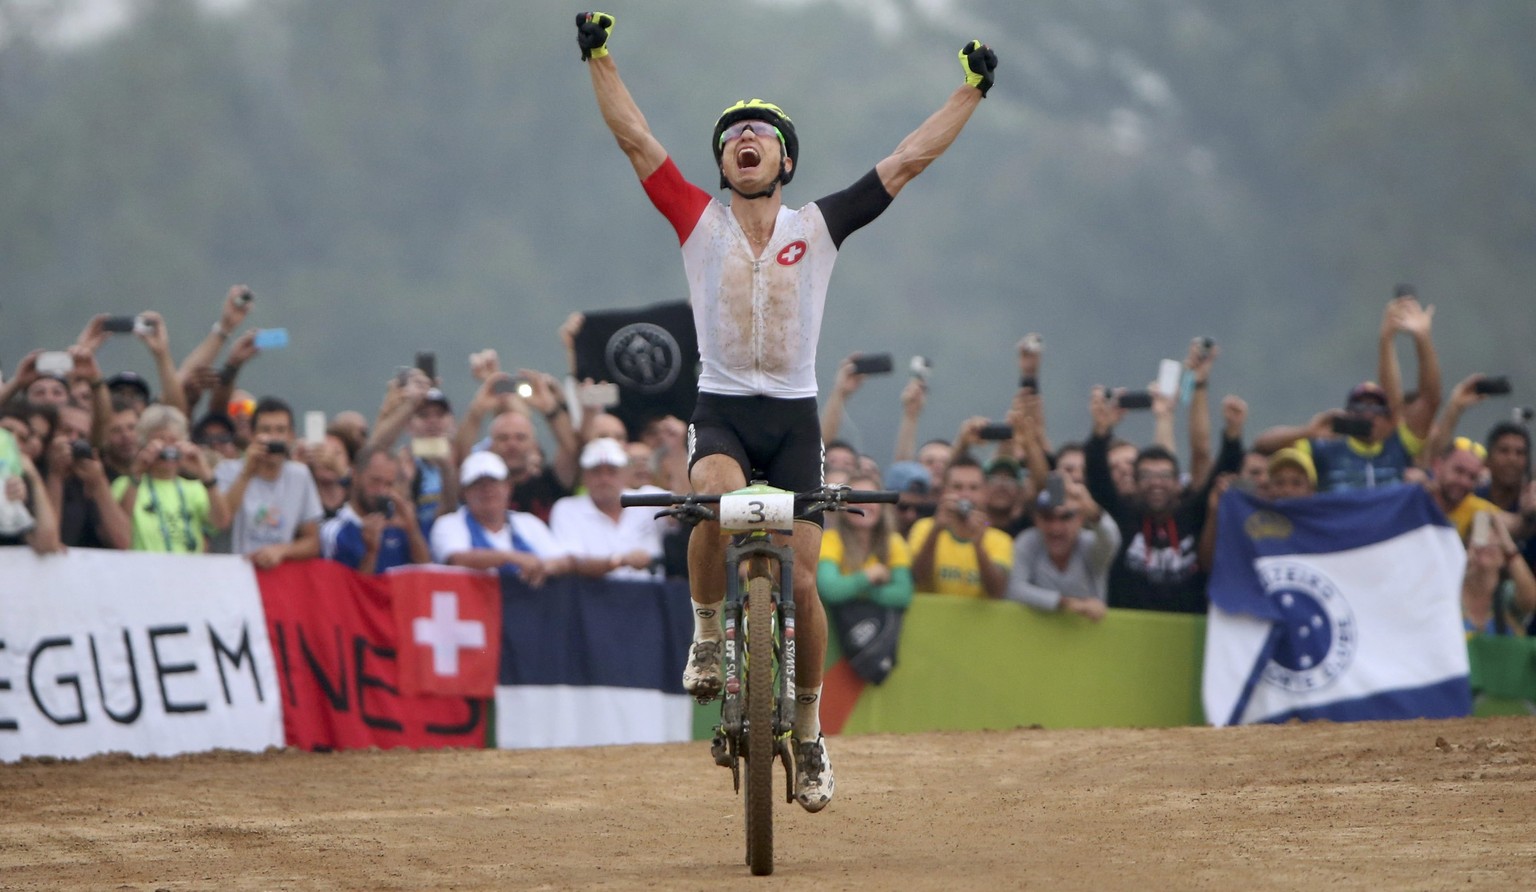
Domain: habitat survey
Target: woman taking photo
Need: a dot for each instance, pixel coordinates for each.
(169, 493)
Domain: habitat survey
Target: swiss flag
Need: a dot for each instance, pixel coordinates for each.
(449, 626)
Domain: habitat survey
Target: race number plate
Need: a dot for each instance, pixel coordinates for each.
(740, 512)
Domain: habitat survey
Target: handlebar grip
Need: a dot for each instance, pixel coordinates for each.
(872, 495)
(649, 500)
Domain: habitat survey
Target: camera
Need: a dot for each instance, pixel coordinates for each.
(80, 449)
(1405, 290)
(1204, 345)
(995, 431)
(1351, 426)
(873, 364)
(1492, 386)
(964, 507)
(1523, 414)
(381, 505)
(921, 368)
(1029, 383)
(244, 297)
(1134, 399)
(169, 453)
(118, 324)
(1031, 343)
(277, 447)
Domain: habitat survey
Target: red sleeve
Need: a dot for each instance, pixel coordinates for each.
(680, 201)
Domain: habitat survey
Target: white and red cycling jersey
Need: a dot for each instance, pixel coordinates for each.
(758, 317)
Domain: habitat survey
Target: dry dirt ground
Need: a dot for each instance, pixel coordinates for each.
(1415, 805)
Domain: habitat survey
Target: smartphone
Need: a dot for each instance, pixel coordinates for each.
(1492, 386)
(277, 447)
(1056, 489)
(599, 395)
(1204, 345)
(271, 338)
(430, 447)
(119, 324)
(1032, 343)
(1482, 529)
(314, 427)
(1169, 371)
(1405, 290)
(55, 362)
(508, 385)
(1029, 383)
(142, 325)
(244, 298)
(921, 368)
(873, 364)
(427, 362)
(995, 431)
(1351, 426)
(1134, 399)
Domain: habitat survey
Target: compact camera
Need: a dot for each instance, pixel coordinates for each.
(80, 449)
(169, 453)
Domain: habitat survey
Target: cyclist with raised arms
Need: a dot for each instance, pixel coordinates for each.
(757, 277)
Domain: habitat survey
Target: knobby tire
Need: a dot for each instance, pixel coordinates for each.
(760, 736)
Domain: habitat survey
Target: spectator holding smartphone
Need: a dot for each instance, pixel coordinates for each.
(274, 501)
(955, 552)
(169, 491)
(376, 529)
(1376, 438)
(1062, 562)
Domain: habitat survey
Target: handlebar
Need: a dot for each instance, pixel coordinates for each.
(827, 498)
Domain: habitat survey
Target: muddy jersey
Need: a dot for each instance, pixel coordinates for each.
(758, 317)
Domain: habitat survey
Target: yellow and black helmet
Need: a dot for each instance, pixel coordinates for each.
(757, 109)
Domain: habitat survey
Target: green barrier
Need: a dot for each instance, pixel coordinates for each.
(971, 665)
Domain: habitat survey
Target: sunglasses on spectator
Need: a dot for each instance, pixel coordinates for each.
(1469, 445)
(761, 128)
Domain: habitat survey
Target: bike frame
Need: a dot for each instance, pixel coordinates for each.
(758, 547)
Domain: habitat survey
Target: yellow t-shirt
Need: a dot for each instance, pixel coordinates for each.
(955, 569)
(1461, 516)
(832, 550)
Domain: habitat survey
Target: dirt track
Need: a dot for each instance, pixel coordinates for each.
(1419, 805)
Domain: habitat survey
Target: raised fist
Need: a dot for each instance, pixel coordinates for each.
(592, 30)
(979, 62)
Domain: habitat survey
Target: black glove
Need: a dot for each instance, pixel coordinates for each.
(979, 62)
(592, 30)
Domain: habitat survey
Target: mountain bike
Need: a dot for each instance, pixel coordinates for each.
(757, 708)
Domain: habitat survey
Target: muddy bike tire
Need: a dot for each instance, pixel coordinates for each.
(760, 732)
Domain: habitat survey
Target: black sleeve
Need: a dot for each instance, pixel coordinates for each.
(1096, 474)
(854, 207)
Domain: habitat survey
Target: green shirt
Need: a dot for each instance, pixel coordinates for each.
(168, 515)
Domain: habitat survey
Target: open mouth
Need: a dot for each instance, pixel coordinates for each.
(748, 157)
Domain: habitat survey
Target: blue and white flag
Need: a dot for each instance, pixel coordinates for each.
(591, 662)
(1342, 606)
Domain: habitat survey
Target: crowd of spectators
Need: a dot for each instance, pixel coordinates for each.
(193, 463)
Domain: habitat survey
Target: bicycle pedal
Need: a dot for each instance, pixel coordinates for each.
(720, 751)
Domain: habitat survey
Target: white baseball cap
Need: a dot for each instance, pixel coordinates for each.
(604, 451)
(480, 465)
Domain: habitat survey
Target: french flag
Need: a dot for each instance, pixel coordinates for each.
(1341, 606)
(588, 662)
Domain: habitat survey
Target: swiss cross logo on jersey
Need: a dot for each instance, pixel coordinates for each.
(792, 253)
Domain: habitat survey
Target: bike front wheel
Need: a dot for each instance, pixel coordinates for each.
(760, 732)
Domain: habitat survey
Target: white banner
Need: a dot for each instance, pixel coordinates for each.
(149, 654)
(538, 716)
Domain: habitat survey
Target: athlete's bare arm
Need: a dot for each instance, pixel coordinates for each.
(623, 117)
(928, 141)
(933, 136)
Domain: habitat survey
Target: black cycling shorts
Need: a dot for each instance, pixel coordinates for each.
(772, 439)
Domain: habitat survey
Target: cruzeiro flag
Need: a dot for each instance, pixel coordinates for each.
(1342, 606)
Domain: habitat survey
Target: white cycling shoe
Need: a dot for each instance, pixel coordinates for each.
(701, 676)
(814, 783)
